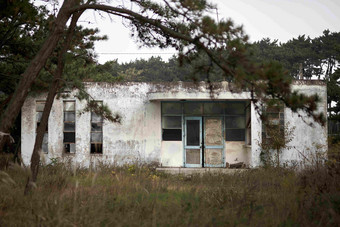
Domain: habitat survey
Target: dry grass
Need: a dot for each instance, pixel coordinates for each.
(138, 196)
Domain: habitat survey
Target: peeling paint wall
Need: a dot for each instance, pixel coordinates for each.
(307, 140)
(139, 136)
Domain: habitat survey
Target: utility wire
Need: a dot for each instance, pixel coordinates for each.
(136, 53)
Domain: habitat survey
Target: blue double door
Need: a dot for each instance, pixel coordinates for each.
(203, 142)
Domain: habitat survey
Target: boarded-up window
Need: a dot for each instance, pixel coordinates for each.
(40, 105)
(69, 126)
(96, 133)
(235, 121)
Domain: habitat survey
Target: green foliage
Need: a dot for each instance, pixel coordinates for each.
(100, 109)
(136, 195)
(23, 27)
(318, 58)
(277, 141)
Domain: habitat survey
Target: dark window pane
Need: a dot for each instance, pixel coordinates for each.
(213, 108)
(69, 137)
(69, 116)
(70, 148)
(235, 122)
(96, 137)
(97, 127)
(172, 122)
(193, 108)
(171, 108)
(235, 134)
(193, 132)
(235, 108)
(96, 118)
(69, 126)
(172, 134)
(96, 148)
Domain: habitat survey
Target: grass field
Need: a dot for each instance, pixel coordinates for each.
(139, 196)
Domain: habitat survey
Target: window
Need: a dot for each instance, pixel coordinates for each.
(69, 127)
(233, 112)
(172, 121)
(96, 133)
(273, 122)
(235, 121)
(40, 105)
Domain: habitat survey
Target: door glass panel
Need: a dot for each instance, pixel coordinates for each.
(213, 156)
(193, 156)
(213, 132)
(193, 133)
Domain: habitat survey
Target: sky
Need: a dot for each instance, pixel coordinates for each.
(276, 19)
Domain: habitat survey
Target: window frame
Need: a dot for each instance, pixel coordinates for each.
(164, 115)
(45, 139)
(64, 121)
(243, 115)
(224, 104)
(267, 122)
(101, 123)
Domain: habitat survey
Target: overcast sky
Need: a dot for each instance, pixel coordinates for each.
(276, 19)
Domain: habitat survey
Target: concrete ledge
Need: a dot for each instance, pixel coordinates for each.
(191, 171)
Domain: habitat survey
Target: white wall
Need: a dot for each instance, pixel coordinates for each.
(307, 139)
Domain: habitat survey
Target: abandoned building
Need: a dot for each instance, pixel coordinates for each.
(175, 124)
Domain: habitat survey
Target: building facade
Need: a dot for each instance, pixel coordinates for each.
(174, 124)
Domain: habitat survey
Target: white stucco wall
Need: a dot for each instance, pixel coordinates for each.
(307, 139)
(139, 136)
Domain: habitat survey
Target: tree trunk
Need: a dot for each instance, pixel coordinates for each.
(33, 70)
(35, 159)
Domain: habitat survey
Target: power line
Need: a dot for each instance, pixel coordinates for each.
(134, 53)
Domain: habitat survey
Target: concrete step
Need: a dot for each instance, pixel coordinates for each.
(191, 171)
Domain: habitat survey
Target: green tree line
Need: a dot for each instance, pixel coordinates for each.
(302, 58)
